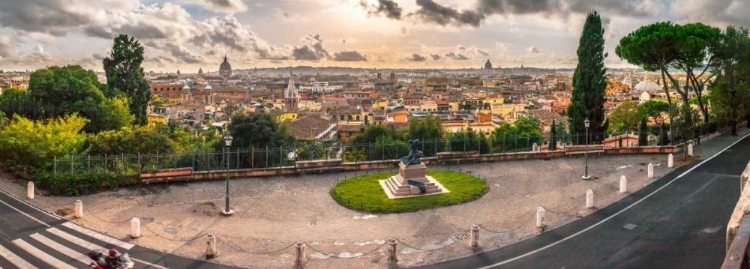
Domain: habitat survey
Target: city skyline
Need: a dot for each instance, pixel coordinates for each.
(192, 34)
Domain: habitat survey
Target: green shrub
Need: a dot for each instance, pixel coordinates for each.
(79, 183)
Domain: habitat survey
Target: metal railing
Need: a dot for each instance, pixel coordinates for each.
(737, 256)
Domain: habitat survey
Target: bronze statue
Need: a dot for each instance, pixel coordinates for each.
(414, 156)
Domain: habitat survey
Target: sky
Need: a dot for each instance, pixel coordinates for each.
(187, 35)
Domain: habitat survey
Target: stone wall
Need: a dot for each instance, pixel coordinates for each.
(337, 165)
(742, 207)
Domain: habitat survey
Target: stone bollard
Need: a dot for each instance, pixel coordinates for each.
(670, 160)
(211, 246)
(623, 184)
(589, 198)
(474, 235)
(690, 149)
(300, 258)
(135, 228)
(392, 252)
(650, 170)
(30, 190)
(79, 209)
(540, 216)
(534, 147)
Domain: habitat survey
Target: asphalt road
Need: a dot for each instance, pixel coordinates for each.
(683, 225)
(40, 240)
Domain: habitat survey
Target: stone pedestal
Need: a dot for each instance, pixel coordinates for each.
(397, 186)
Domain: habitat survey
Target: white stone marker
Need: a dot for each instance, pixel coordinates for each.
(670, 160)
(211, 246)
(474, 235)
(650, 170)
(623, 184)
(392, 252)
(534, 147)
(690, 149)
(135, 228)
(78, 209)
(540, 216)
(30, 190)
(300, 258)
(589, 198)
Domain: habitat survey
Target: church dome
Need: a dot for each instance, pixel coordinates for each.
(225, 70)
(645, 86)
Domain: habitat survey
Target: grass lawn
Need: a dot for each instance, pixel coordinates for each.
(364, 193)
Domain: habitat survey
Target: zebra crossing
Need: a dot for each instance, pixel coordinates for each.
(63, 246)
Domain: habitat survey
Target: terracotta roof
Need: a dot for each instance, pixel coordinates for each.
(308, 126)
(349, 128)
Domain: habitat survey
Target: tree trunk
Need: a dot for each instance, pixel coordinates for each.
(734, 127)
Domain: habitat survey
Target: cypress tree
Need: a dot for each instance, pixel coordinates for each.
(553, 137)
(125, 76)
(589, 83)
(643, 134)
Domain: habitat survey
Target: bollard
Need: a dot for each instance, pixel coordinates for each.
(474, 235)
(211, 246)
(589, 198)
(30, 190)
(650, 170)
(300, 257)
(623, 184)
(79, 209)
(670, 160)
(135, 228)
(690, 149)
(392, 252)
(540, 216)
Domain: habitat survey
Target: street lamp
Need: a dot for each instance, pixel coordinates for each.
(586, 153)
(227, 142)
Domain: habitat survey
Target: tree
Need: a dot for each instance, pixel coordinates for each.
(256, 130)
(731, 88)
(125, 76)
(643, 133)
(428, 130)
(652, 109)
(696, 48)
(653, 47)
(18, 102)
(520, 136)
(62, 91)
(131, 140)
(553, 136)
(624, 117)
(589, 81)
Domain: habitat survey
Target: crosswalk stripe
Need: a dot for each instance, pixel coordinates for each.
(75, 240)
(41, 255)
(62, 249)
(99, 236)
(14, 259)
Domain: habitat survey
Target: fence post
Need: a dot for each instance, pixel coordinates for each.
(157, 161)
(78, 209)
(122, 162)
(540, 216)
(281, 155)
(252, 157)
(650, 170)
(135, 228)
(623, 184)
(54, 165)
(140, 167)
(72, 169)
(192, 156)
(392, 252)
(211, 246)
(266, 156)
(300, 257)
(589, 198)
(30, 190)
(474, 236)
(238, 159)
(88, 163)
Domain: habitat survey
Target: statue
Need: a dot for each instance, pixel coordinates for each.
(414, 154)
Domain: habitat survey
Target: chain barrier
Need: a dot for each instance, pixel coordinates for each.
(239, 249)
(421, 249)
(511, 230)
(107, 221)
(172, 239)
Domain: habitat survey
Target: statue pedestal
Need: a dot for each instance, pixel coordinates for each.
(397, 186)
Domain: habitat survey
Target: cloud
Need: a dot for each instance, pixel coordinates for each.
(720, 12)
(311, 49)
(7, 48)
(185, 55)
(223, 6)
(456, 56)
(503, 47)
(532, 50)
(97, 56)
(416, 58)
(432, 12)
(58, 17)
(349, 56)
(435, 56)
(388, 8)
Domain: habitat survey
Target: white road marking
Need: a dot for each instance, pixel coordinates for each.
(81, 257)
(41, 255)
(613, 215)
(38, 209)
(14, 259)
(148, 263)
(87, 245)
(99, 236)
(24, 213)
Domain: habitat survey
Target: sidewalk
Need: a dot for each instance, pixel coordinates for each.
(273, 213)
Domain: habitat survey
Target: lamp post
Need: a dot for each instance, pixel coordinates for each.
(586, 153)
(227, 142)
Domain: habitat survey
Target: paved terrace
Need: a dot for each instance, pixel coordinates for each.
(273, 213)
